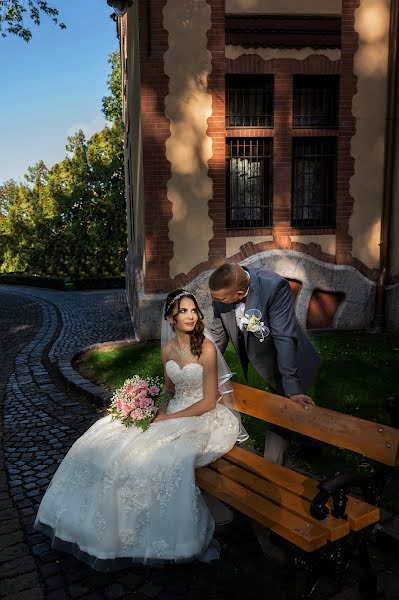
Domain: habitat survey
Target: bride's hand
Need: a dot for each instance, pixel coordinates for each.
(161, 417)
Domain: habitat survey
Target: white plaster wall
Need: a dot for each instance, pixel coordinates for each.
(326, 242)
(367, 146)
(232, 52)
(188, 106)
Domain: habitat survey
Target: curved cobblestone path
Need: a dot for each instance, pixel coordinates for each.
(40, 423)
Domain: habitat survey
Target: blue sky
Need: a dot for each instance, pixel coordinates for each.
(53, 85)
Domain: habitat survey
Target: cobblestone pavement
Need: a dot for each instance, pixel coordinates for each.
(41, 420)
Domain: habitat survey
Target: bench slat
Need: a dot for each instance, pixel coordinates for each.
(306, 535)
(335, 528)
(378, 442)
(360, 514)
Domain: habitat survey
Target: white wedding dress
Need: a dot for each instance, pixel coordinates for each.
(122, 495)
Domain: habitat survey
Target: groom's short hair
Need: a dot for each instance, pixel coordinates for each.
(228, 276)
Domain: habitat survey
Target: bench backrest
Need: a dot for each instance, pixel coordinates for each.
(378, 442)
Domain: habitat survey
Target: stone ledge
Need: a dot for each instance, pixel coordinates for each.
(100, 395)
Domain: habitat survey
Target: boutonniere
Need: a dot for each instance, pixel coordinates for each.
(251, 321)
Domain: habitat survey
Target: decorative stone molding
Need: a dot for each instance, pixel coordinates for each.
(355, 311)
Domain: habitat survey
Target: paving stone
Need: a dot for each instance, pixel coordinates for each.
(9, 526)
(5, 504)
(13, 585)
(40, 549)
(9, 539)
(55, 582)
(57, 595)
(32, 594)
(12, 552)
(114, 591)
(49, 569)
(77, 590)
(18, 566)
(150, 590)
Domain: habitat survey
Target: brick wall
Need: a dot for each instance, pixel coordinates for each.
(156, 130)
(347, 127)
(158, 210)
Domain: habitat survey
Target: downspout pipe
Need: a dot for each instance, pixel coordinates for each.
(379, 321)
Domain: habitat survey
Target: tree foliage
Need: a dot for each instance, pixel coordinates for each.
(69, 220)
(112, 104)
(14, 12)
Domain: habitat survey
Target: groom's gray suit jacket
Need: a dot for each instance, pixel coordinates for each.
(286, 359)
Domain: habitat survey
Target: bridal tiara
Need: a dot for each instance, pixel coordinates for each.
(183, 293)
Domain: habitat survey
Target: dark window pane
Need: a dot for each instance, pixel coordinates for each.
(315, 101)
(249, 101)
(314, 182)
(249, 182)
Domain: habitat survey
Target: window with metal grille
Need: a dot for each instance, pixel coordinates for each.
(314, 182)
(249, 101)
(316, 101)
(249, 182)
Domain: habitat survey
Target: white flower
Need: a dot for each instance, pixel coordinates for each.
(251, 321)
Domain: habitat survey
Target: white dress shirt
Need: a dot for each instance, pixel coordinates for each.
(240, 308)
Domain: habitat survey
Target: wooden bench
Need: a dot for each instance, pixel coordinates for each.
(309, 514)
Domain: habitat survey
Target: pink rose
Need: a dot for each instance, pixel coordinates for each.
(146, 403)
(154, 390)
(136, 414)
(126, 410)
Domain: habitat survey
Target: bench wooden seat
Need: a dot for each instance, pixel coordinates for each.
(280, 498)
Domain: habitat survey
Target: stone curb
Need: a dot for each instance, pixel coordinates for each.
(99, 394)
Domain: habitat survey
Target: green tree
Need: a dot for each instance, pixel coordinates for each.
(70, 220)
(13, 13)
(112, 104)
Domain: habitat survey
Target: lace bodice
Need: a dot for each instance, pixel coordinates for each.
(188, 384)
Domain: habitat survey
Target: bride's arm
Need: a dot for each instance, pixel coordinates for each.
(210, 386)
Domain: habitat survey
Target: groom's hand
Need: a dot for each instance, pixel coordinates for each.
(302, 400)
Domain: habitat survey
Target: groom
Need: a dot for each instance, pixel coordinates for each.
(286, 359)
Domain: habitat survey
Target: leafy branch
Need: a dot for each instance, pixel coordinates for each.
(13, 13)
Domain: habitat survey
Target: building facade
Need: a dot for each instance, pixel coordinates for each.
(256, 131)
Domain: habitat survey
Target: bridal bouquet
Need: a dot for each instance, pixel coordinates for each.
(137, 401)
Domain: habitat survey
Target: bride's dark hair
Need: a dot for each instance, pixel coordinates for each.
(197, 335)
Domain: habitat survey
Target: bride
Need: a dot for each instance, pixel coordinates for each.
(122, 495)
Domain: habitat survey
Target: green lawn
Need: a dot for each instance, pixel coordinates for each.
(356, 375)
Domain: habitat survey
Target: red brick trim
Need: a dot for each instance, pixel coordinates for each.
(316, 64)
(249, 232)
(249, 132)
(311, 231)
(283, 31)
(156, 130)
(216, 130)
(347, 129)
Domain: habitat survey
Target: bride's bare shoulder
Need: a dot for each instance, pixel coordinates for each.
(208, 350)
